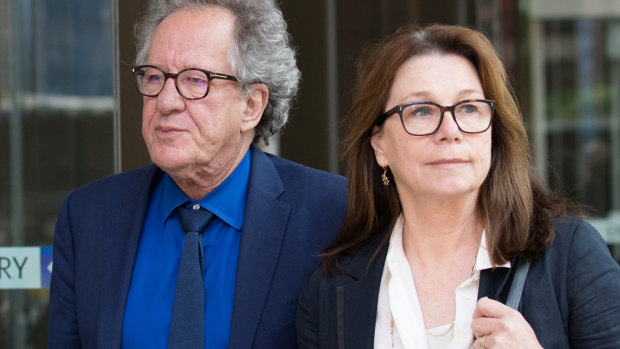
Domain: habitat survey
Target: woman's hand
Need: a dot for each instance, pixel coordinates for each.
(496, 325)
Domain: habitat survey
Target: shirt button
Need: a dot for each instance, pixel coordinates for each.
(196, 207)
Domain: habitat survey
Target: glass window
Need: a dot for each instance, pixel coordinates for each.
(582, 115)
(565, 61)
(56, 132)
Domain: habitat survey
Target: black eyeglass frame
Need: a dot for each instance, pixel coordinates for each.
(210, 76)
(399, 110)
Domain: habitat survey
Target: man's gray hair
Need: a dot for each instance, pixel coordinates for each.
(261, 52)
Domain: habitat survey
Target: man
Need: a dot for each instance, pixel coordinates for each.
(217, 76)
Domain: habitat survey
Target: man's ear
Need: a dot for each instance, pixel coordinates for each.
(376, 141)
(254, 106)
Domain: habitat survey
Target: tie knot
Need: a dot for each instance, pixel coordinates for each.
(194, 219)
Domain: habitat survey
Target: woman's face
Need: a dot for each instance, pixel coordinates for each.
(448, 163)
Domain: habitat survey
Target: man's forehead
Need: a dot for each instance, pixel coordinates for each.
(196, 26)
(193, 36)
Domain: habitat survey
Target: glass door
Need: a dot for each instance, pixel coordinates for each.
(56, 133)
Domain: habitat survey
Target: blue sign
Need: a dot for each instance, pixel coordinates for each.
(46, 266)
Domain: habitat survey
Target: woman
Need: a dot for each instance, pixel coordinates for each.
(443, 202)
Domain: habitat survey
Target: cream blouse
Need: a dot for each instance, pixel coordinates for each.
(399, 321)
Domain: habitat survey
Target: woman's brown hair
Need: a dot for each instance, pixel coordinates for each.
(515, 205)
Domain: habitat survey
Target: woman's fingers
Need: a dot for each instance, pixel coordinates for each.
(496, 325)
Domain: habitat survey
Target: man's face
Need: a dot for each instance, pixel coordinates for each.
(204, 138)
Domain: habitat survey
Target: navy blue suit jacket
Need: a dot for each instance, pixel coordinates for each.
(292, 213)
(571, 296)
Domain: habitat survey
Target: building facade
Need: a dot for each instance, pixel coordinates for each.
(69, 112)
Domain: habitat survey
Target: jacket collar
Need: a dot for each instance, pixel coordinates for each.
(265, 221)
(494, 282)
(358, 266)
(361, 287)
(362, 292)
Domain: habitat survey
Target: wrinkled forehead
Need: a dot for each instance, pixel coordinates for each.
(193, 37)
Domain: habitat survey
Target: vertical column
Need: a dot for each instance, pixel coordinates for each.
(613, 54)
(131, 148)
(21, 10)
(614, 57)
(539, 122)
(116, 114)
(307, 137)
(332, 85)
(587, 130)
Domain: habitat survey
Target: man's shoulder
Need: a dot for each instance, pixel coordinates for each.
(291, 171)
(302, 186)
(124, 182)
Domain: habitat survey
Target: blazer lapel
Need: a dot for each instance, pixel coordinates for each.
(261, 239)
(358, 299)
(493, 283)
(120, 235)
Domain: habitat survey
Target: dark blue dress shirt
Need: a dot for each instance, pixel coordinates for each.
(151, 294)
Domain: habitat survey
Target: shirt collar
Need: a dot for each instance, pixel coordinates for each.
(227, 201)
(483, 259)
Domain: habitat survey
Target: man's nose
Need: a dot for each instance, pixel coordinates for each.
(169, 99)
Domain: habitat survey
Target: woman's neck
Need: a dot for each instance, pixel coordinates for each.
(435, 230)
(441, 243)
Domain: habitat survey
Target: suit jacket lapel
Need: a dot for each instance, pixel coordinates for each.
(120, 236)
(261, 239)
(493, 283)
(361, 295)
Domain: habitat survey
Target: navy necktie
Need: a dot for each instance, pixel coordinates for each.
(187, 323)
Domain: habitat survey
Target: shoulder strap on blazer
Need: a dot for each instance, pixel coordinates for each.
(516, 288)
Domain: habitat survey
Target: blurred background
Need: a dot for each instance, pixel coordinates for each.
(69, 112)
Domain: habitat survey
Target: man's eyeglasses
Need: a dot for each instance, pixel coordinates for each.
(192, 83)
(424, 118)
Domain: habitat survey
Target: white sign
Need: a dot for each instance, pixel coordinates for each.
(20, 267)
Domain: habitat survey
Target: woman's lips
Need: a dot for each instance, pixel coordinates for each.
(448, 162)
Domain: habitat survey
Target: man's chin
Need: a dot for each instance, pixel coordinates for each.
(170, 163)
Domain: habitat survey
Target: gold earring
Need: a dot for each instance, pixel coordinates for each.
(384, 177)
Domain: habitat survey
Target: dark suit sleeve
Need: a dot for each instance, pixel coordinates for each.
(308, 314)
(63, 331)
(593, 285)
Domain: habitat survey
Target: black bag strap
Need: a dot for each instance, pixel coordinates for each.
(514, 295)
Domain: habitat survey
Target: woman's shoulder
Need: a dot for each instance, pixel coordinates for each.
(584, 274)
(580, 247)
(576, 233)
(576, 248)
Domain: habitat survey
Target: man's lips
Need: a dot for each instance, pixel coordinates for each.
(168, 129)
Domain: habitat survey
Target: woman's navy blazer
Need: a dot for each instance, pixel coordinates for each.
(571, 296)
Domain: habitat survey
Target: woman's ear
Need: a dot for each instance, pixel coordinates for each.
(254, 106)
(376, 141)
